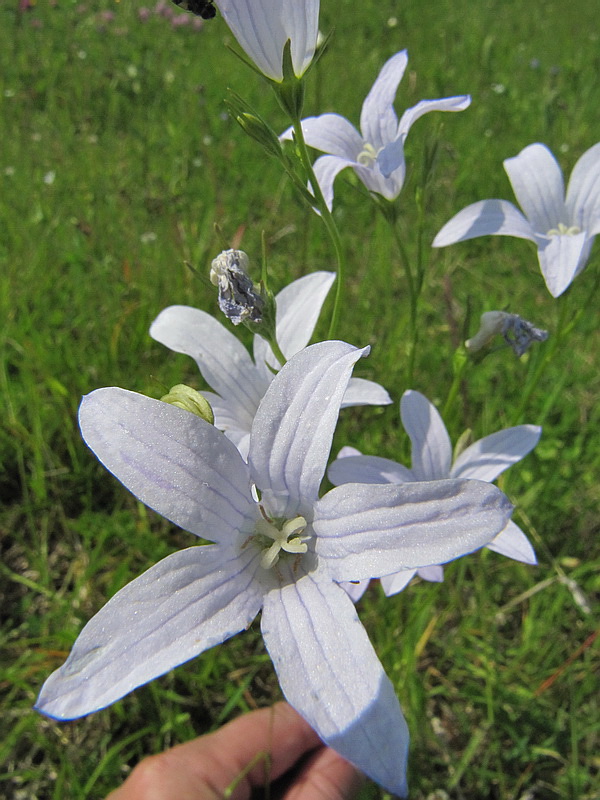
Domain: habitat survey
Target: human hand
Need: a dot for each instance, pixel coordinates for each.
(232, 761)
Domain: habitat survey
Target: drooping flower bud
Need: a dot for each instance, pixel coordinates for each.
(517, 332)
(190, 400)
(238, 299)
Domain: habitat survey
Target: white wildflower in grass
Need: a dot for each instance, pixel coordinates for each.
(432, 461)
(376, 153)
(240, 382)
(283, 553)
(562, 227)
(262, 28)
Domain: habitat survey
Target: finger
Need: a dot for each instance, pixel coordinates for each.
(203, 768)
(325, 776)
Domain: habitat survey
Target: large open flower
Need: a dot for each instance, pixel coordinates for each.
(376, 154)
(562, 228)
(484, 460)
(240, 382)
(262, 28)
(279, 548)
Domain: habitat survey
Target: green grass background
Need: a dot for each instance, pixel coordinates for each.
(116, 160)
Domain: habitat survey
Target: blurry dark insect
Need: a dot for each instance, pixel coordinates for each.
(201, 8)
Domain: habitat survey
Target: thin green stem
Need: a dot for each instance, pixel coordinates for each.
(329, 223)
(277, 351)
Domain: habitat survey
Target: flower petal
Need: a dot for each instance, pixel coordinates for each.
(411, 115)
(326, 170)
(294, 425)
(485, 218)
(332, 134)
(431, 447)
(301, 25)
(537, 182)
(378, 120)
(298, 307)
(222, 359)
(369, 530)
(186, 603)
(392, 154)
(488, 457)
(561, 257)
(367, 469)
(355, 589)
(262, 28)
(393, 584)
(512, 543)
(583, 192)
(361, 392)
(172, 460)
(330, 674)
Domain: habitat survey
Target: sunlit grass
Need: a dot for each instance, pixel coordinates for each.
(117, 160)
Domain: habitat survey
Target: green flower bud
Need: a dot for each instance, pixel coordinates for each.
(190, 400)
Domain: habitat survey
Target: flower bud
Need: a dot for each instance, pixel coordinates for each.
(518, 333)
(190, 400)
(238, 299)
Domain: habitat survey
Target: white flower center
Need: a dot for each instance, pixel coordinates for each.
(564, 230)
(272, 539)
(367, 156)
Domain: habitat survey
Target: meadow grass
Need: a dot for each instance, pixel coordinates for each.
(117, 159)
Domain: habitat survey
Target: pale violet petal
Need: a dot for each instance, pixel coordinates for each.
(172, 460)
(378, 120)
(512, 543)
(435, 573)
(326, 169)
(389, 187)
(222, 359)
(392, 155)
(332, 134)
(391, 158)
(355, 589)
(301, 25)
(228, 421)
(294, 425)
(537, 182)
(367, 469)
(562, 257)
(411, 115)
(488, 457)
(262, 28)
(583, 192)
(329, 672)
(393, 584)
(431, 447)
(369, 530)
(349, 451)
(485, 218)
(298, 308)
(188, 602)
(361, 392)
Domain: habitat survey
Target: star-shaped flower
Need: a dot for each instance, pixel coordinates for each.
(432, 461)
(376, 154)
(562, 228)
(262, 28)
(283, 553)
(239, 382)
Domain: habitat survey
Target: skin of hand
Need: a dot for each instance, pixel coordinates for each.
(230, 763)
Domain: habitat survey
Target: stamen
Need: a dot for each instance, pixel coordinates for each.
(273, 540)
(564, 230)
(367, 156)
